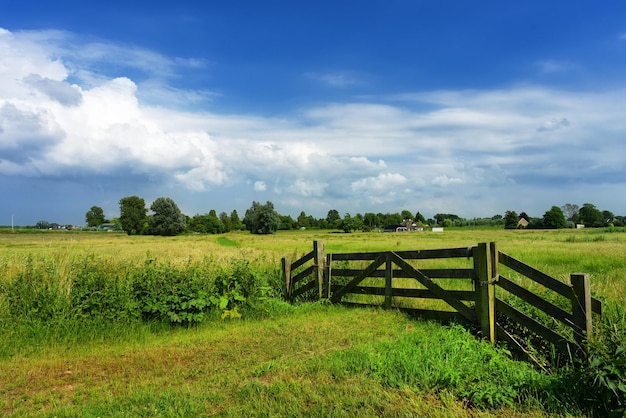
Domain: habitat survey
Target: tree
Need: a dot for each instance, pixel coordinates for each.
(590, 216)
(262, 219)
(554, 218)
(510, 219)
(333, 218)
(419, 218)
(406, 215)
(303, 220)
(95, 216)
(235, 221)
(570, 211)
(133, 214)
(225, 219)
(167, 219)
(349, 223)
(371, 220)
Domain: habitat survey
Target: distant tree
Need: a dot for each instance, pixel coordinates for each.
(225, 219)
(94, 216)
(608, 217)
(262, 219)
(333, 219)
(441, 216)
(235, 221)
(419, 218)
(570, 211)
(393, 218)
(510, 219)
(286, 222)
(554, 218)
(133, 214)
(167, 220)
(406, 215)
(303, 220)
(350, 224)
(371, 220)
(590, 216)
(42, 225)
(213, 223)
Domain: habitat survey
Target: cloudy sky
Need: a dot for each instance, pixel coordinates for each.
(472, 108)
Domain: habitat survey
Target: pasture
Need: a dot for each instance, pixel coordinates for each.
(99, 354)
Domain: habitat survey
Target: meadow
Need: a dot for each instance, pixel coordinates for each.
(105, 324)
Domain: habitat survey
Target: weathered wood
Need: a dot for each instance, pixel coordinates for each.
(306, 273)
(318, 264)
(539, 302)
(400, 274)
(388, 281)
(466, 295)
(409, 255)
(328, 275)
(560, 343)
(301, 261)
(536, 275)
(581, 306)
(336, 297)
(286, 267)
(596, 306)
(303, 289)
(434, 288)
(485, 292)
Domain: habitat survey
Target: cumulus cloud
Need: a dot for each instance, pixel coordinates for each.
(410, 149)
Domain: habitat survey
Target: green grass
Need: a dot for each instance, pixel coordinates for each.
(316, 361)
(110, 358)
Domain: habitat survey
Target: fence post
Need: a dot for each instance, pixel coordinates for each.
(328, 275)
(485, 290)
(287, 277)
(318, 262)
(581, 306)
(388, 281)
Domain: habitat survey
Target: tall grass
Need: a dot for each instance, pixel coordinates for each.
(72, 297)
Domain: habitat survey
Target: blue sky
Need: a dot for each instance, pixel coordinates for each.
(471, 108)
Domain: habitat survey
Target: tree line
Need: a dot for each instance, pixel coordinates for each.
(165, 218)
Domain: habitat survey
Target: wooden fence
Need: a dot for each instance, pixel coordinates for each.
(499, 315)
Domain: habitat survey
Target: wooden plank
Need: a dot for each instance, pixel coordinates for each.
(358, 279)
(388, 282)
(467, 295)
(485, 292)
(581, 306)
(536, 275)
(539, 302)
(286, 264)
(560, 342)
(302, 260)
(401, 274)
(435, 288)
(596, 306)
(303, 289)
(308, 272)
(464, 252)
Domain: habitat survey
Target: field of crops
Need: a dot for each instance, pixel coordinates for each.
(105, 324)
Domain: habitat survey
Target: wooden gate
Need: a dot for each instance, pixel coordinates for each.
(332, 277)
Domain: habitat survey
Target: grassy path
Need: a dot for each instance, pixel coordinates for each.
(313, 362)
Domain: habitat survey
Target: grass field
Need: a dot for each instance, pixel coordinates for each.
(308, 360)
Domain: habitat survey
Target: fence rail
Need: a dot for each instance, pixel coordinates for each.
(312, 277)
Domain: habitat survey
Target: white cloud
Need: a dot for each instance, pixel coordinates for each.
(405, 150)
